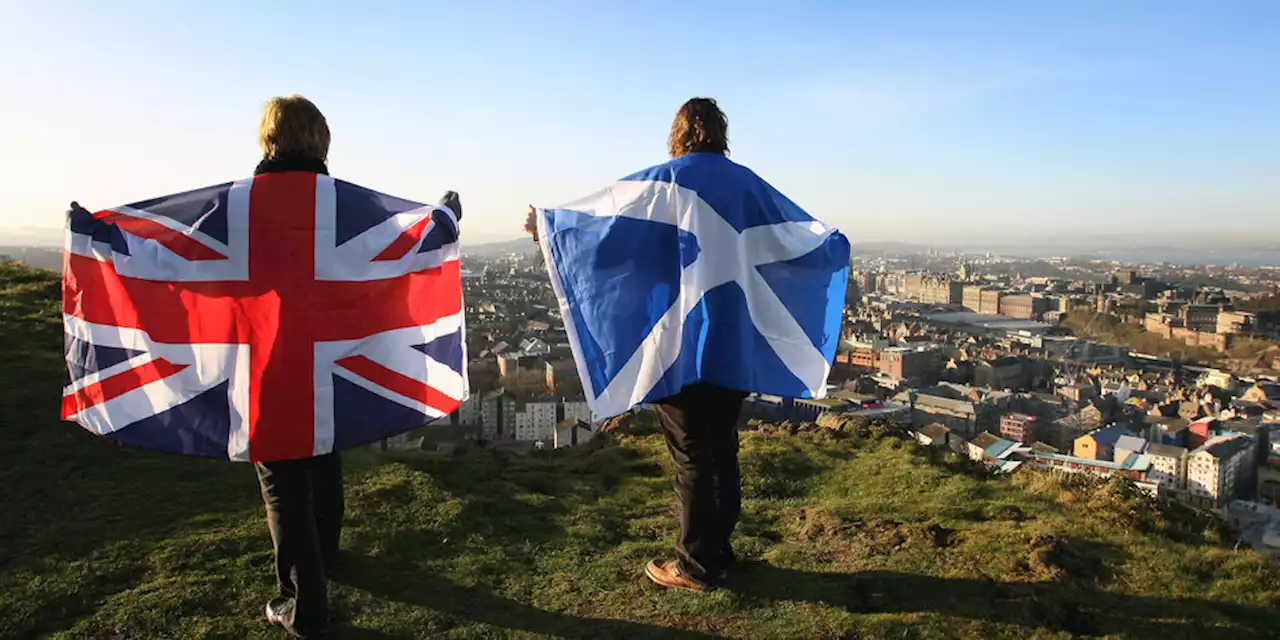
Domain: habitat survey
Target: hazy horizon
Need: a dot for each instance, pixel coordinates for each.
(51, 237)
(987, 122)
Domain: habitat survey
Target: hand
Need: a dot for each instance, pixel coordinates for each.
(450, 199)
(531, 223)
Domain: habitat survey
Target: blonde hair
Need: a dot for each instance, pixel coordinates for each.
(293, 126)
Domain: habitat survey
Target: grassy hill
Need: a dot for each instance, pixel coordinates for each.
(845, 535)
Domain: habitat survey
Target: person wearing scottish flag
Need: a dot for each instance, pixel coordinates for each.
(687, 286)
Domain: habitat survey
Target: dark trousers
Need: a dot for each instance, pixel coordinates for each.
(304, 512)
(701, 427)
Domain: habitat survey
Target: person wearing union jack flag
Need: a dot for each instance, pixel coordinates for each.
(304, 496)
(274, 320)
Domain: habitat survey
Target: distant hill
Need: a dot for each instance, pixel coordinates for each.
(39, 257)
(51, 258)
(849, 532)
(30, 237)
(521, 246)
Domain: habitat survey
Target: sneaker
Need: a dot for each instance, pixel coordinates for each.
(668, 575)
(279, 611)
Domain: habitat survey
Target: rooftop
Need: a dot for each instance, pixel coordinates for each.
(1108, 435)
(1131, 443)
(998, 448)
(1166, 450)
(1225, 446)
(985, 440)
(935, 430)
(831, 403)
(986, 321)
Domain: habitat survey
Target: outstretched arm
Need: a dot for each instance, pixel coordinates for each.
(451, 200)
(531, 223)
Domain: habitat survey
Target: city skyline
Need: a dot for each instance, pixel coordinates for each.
(987, 123)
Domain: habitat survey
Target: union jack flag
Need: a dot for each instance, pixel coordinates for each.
(278, 317)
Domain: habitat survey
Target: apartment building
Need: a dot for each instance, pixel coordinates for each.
(1212, 469)
(537, 421)
(1018, 427)
(498, 416)
(1168, 466)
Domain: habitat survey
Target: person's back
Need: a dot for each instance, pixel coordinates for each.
(699, 420)
(303, 497)
(685, 286)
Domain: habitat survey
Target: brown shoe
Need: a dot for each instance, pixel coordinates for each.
(667, 574)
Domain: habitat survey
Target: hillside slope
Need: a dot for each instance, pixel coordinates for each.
(845, 535)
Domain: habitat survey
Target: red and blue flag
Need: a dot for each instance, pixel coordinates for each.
(283, 316)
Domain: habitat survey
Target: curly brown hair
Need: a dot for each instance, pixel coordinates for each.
(700, 127)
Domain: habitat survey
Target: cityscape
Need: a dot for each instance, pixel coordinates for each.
(1167, 375)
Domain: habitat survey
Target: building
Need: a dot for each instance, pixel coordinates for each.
(1004, 456)
(1213, 469)
(535, 346)
(510, 366)
(498, 416)
(810, 408)
(537, 421)
(934, 435)
(1224, 380)
(1078, 392)
(979, 445)
(971, 298)
(932, 288)
(1269, 481)
(1008, 372)
(1231, 322)
(1164, 430)
(571, 433)
(1168, 466)
(1018, 427)
(965, 410)
(1200, 431)
(1127, 446)
(1263, 394)
(866, 281)
(864, 350)
(577, 409)
(468, 413)
(1136, 467)
(1025, 306)
(864, 357)
(1200, 317)
(981, 299)
(918, 364)
(560, 375)
(1099, 444)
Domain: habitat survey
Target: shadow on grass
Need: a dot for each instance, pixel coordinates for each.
(1075, 607)
(388, 579)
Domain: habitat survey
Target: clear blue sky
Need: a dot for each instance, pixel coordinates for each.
(929, 121)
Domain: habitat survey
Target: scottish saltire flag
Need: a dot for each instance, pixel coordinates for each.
(277, 317)
(696, 270)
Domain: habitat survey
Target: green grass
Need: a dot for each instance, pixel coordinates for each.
(843, 536)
